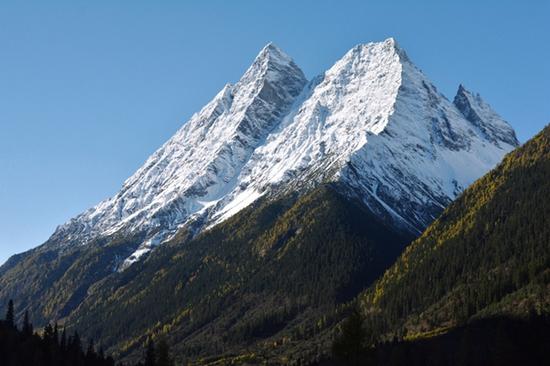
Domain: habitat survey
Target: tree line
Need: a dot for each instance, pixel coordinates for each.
(21, 345)
(495, 341)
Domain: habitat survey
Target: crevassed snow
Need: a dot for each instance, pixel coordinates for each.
(373, 121)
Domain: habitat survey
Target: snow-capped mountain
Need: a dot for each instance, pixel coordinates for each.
(373, 122)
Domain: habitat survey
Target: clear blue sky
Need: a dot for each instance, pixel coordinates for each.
(88, 89)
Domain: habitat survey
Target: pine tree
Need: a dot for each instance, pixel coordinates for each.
(350, 346)
(75, 345)
(27, 326)
(150, 359)
(63, 341)
(55, 334)
(10, 315)
(16, 348)
(76, 341)
(48, 333)
(74, 349)
(90, 352)
(163, 354)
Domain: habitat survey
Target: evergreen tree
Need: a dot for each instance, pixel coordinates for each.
(24, 348)
(63, 341)
(90, 352)
(350, 346)
(55, 334)
(48, 333)
(74, 343)
(150, 359)
(10, 315)
(27, 326)
(163, 354)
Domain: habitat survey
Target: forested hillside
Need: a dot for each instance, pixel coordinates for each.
(495, 341)
(269, 280)
(22, 346)
(488, 253)
(477, 280)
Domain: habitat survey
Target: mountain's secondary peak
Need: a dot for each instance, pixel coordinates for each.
(466, 93)
(482, 116)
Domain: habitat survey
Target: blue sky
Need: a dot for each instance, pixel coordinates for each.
(89, 89)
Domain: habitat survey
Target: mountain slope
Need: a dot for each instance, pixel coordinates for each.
(373, 125)
(265, 275)
(488, 254)
(271, 278)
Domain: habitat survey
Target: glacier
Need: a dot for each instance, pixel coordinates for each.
(372, 122)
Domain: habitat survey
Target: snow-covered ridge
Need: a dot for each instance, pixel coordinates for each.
(373, 121)
(200, 163)
(352, 98)
(376, 123)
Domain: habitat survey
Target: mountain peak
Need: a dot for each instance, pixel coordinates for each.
(482, 116)
(273, 54)
(465, 92)
(382, 53)
(391, 43)
(388, 44)
(272, 64)
(271, 47)
(462, 89)
(371, 116)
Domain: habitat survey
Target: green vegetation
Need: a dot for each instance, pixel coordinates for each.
(270, 282)
(498, 341)
(487, 257)
(353, 346)
(51, 286)
(24, 347)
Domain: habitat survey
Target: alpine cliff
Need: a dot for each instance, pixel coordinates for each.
(277, 179)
